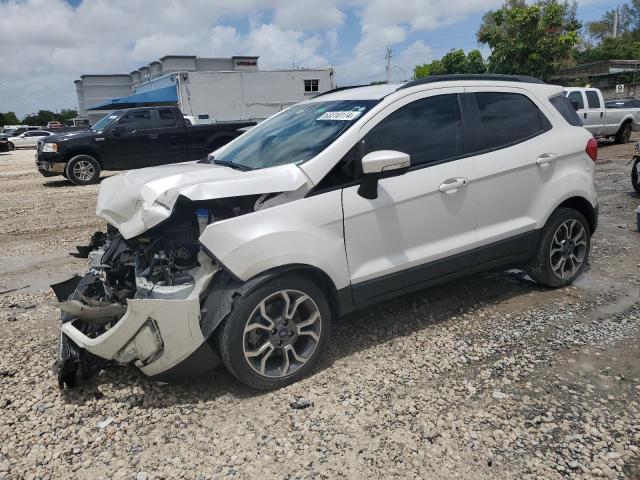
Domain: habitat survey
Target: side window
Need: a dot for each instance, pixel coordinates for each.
(567, 111)
(140, 120)
(592, 99)
(311, 85)
(508, 118)
(429, 130)
(167, 118)
(576, 97)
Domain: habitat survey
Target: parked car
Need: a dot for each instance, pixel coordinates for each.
(5, 146)
(345, 200)
(29, 138)
(14, 132)
(54, 125)
(601, 120)
(635, 169)
(129, 139)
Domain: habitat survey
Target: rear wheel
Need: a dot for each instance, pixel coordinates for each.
(11, 146)
(624, 134)
(276, 333)
(82, 170)
(563, 249)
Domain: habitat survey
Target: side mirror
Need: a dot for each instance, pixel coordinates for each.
(117, 130)
(381, 164)
(575, 104)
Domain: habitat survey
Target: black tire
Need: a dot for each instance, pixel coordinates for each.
(541, 267)
(624, 134)
(82, 170)
(634, 175)
(230, 336)
(11, 146)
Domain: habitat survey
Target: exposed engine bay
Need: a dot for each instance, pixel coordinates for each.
(138, 275)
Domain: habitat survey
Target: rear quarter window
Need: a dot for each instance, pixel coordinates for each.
(564, 107)
(508, 118)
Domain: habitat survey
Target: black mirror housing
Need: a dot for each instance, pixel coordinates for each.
(117, 130)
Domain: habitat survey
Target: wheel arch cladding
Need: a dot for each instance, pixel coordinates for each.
(225, 290)
(583, 206)
(82, 151)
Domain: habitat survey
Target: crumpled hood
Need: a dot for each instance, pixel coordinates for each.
(140, 199)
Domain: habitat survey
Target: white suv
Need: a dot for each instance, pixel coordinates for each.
(347, 199)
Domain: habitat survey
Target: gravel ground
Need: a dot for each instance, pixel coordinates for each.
(488, 377)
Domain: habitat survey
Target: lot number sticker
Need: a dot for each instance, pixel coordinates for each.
(343, 116)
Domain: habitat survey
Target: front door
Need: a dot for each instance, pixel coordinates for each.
(422, 226)
(594, 121)
(135, 146)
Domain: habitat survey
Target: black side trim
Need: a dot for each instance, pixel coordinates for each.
(510, 252)
(198, 363)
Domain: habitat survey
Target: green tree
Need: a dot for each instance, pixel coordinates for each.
(620, 48)
(535, 39)
(628, 22)
(10, 118)
(455, 61)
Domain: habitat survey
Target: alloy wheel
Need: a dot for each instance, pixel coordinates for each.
(83, 170)
(282, 333)
(568, 248)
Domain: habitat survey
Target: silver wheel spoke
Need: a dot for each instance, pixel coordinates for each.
(296, 357)
(263, 348)
(284, 369)
(263, 311)
(309, 321)
(255, 326)
(292, 311)
(263, 362)
(287, 303)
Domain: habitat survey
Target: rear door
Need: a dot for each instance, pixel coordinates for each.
(137, 146)
(172, 138)
(513, 140)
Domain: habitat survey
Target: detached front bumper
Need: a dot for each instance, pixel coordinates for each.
(160, 332)
(158, 335)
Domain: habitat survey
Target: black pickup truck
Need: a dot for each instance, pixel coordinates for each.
(128, 139)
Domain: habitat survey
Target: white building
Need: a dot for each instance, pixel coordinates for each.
(210, 89)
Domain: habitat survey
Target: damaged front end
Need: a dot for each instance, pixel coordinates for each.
(141, 300)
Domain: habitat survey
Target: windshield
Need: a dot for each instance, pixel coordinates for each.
(295, 135)
(104, 121)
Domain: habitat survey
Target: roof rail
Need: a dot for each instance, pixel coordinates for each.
(338, 89)
(473, 77)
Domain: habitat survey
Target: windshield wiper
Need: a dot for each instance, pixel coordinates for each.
(235, 166)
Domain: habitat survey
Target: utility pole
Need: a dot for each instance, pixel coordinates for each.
(616, 14)
(388, 58)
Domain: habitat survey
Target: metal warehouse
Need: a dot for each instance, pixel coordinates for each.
(210, 89)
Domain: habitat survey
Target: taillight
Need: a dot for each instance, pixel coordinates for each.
(592, 149)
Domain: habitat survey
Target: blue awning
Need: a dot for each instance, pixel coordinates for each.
(151, 97)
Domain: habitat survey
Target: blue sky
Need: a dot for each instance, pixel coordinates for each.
(46, 44)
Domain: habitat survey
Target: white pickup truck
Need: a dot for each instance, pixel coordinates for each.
(603, 121)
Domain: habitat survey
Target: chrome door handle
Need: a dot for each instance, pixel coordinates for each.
(546, 159)
(452, 185)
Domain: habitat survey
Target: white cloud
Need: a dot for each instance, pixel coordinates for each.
(46, 44)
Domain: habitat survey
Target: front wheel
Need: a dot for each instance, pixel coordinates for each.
(11, 146)
(563, 249)
(635, 173)
(276, 333)
(82, 170)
